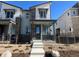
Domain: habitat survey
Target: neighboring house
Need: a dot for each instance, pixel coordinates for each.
(8, 14)
(67, 25)
(16, 21)
(41, 20)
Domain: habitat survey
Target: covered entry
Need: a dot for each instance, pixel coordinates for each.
(40, 28)
(37, 31)
(6, 30)
(3, 31)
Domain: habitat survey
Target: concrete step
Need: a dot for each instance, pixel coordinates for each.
(37, 53)
(37, 56)
(37, 41)
(37, 50)
(38, 46)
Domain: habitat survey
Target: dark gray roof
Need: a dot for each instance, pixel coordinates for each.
(10, 4)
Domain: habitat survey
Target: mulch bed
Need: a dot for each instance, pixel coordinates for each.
(71, 53)
(20, 54)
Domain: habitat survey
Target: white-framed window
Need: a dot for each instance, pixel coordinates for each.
(43, 12)
(74, 13)
(9, 13)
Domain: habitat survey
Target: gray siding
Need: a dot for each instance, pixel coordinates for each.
(65, 23)
(25, 22)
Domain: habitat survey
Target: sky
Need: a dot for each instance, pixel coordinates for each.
(57, 7)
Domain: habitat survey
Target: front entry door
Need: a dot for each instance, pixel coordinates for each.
(37, 31)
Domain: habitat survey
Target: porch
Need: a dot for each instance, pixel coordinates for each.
(6, 30)
(40, 29)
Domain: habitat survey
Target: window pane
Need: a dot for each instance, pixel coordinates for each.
(44, 14)
(37, 30)
(11, 16)
(7, 14)
(41, 14)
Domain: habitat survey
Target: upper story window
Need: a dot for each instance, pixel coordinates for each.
(9, 13)
(68, 14)
(42, 12)
(27, 15)
(32, 14)
(74, 13)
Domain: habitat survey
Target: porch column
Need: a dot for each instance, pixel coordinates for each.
(33, 26)
(9, 31)
(41, 32)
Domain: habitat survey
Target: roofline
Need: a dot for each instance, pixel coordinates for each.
(26, 10)
(11, 5)
(67, 10)
(64, 12)
(40, 4)
(43, 20)
(75, 4)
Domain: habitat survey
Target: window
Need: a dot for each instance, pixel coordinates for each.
(9, 13)
(37, 29)
(68, 14)
(43, 13)
(27, 15)
(69, 29)
(26, 29)
(74, 12)
(33, 14)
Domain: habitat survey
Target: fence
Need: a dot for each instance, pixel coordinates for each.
(67, 40)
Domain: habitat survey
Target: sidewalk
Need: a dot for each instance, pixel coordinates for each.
(37, 49)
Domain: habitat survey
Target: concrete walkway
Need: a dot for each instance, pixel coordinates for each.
(37, 49)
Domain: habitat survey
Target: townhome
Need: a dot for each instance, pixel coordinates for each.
(41, 20)
(35, 21)
(67, 24)
(8, 14)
